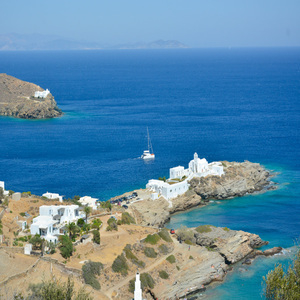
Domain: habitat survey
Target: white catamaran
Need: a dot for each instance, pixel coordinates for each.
(148, 154)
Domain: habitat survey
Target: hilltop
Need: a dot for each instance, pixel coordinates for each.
(17, 100)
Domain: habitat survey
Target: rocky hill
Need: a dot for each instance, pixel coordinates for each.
(17, 100)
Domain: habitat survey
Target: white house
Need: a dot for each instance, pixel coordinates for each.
(177, 184)
(89, 201)
(168, 189)
(52, 218)
(43, 94)
(53, 196)
(2, 185)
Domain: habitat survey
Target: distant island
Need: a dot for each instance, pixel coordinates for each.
(25, 100)
(16, 42)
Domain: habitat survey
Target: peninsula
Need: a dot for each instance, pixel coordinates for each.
(171, 264)
(25, 100)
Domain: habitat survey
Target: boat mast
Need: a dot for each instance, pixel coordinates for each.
(150, 148)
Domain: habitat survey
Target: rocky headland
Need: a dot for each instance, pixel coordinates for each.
(17, 100)
(239, 179)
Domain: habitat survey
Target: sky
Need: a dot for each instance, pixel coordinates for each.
(196, 23)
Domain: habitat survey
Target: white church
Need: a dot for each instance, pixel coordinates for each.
(177, 184)
(42, 94)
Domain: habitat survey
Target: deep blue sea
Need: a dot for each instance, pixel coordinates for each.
(224, 104)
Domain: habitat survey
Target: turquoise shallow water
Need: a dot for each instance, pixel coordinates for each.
(225, 104)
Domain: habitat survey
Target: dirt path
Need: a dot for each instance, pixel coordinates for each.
(116, 287)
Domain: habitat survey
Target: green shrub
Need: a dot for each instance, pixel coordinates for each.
(152, 239)
(226, 229)
(188, 242)
(106, 205)
(66, 246)
(127, 218)
(171, 259)
(112, 224)
(150, 252)
(89, 272)
(164, 234)
(120, 265)
(119, 222)
(138, 263)
(147, 281)
(96, 237)
(22, 214)
(209, 248)
(163, 274)
(185, 234)
(191, 257)
(203, 228)
(163, 249)
(128, 252)
(96, 224)
(178, 268)
(80, 222)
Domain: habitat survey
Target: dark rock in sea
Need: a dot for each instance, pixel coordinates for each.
(17, 100)
(272, 251)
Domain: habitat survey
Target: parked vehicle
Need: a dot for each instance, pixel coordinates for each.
(172, 231)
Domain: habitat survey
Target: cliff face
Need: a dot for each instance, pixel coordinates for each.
(238, 180)
(17, 100)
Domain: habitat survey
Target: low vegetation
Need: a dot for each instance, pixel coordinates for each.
(163, 274)
(164, 234)
(112, 224)
(226, 229)
(152, 239)
(184, 233)
(204, 228)
(55, 289)
(36, 242)
(146, 282)
(107, 205)
(171, 259)
(281, 284)
(127, 218)
(120, 265)
(96, 224)
(89, 271)
(150, 252)
(130, 256)
(163, 249)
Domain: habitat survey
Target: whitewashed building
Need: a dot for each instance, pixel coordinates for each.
(177, 184)
(2, 185)
(53, 196)
(42, 94)
(89, 201)
(52, 218)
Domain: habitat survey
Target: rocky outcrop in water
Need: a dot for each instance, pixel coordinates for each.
(239, 179)
(17, 100)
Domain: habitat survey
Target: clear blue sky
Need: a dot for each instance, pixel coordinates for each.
(197, 23)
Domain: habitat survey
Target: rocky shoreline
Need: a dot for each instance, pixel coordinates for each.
(239, 179)
(17, 100)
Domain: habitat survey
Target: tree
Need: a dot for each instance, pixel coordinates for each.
(36, 242)
(66, 246)
(96, 237)
(73, 229)
(87, 210)
(283, 285)
(80, 222)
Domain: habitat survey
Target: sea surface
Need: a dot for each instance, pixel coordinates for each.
(224, 104)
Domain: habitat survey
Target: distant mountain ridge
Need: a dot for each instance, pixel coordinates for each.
(13, 42)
